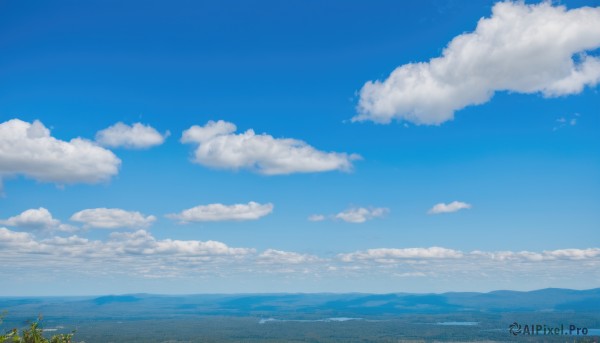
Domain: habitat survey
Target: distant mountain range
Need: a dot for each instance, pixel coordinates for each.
(304, 305)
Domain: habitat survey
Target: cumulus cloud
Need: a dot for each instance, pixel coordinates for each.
(112, 218)
(361, 214)
(220, 212)
(136, 136)
(33, 218)
(521, 48)
(449, 208)
(29, 149)
(220, 147)
(37, 219)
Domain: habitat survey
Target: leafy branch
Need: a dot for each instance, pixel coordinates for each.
(33, 334)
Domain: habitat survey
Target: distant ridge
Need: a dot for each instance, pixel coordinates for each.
(327, 304)
(116, 298)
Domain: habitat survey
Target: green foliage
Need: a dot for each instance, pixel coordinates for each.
(33, 334)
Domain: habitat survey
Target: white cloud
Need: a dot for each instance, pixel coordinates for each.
(137, 136)
(219, 147)
(386, 255)
(212, 129)
(142, 242)
(361, 214)
(139, 254)
(37, 219)
(285, 257)
(316, 218)
(33, 218)
(220, 212)
(549, 255)
(17, 240)
(521, 48)
(449, 208)
(28, 149)
(119, 247)
(132, 253)
(393, 255)
(112, 218)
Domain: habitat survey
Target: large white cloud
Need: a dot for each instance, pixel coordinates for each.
(112, 218)
(29, 149)
(220, 212)
(520, 48)
(448, 208)
(361, 214)
(220, 147)
(37, 219)
(136, 136)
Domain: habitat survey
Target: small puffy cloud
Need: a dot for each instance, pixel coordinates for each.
(384, 255)
(316, 218)
(220, 147)
(220, 212)
(37, 219)
(212, 129)
(360, 214)
(112, 218)
(29, 149)
(33, 218)
(136, 136)
(448, 208)
(521, 48)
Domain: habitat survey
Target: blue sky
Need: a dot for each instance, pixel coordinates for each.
(502, 123)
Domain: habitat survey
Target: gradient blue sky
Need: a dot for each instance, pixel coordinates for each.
(294, 69)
